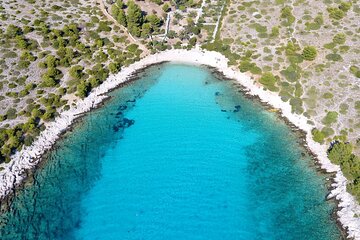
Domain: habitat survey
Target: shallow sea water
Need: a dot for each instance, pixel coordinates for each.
(177, 154)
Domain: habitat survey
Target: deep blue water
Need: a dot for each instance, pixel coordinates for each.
(176, 154)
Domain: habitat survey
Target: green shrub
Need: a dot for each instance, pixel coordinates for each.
(255, 69)
(51, 61)
(344, 49)
(99, 72)
(316, 24)
(28, 140)
(103, 27)
(318, 136)
(166, 7)
(299, 91)
(269, 80)
(328, 95)
(10, 54)
(192, 41)
(76, 72)
(339, 38)
(331, 45)
(331, 117)
(357, 106)
(246, 66)
(327, 131)
(114, 67)
(292, 73)
(26, 55)
(49, 114)
(12, 31)
(345, 6)
(334, 57)
(286, 13)
(355, 71)
(309, 53)
(23, 64)
(11, 113)
(340, 152)
(336, 13)
(296, 105)
(259, 28)
(12, 85)
(83, 89)
(132, 48)
(344, 108)
(48, 81)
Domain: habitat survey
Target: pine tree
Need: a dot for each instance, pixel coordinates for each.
(166, 7)
(83, 89)
(114, 10)
(154, 20)
(121, 18)
(134, 18)
(146, 30)
(120, 4)
(179, 3)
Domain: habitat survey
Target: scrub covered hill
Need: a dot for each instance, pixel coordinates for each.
(306, 51)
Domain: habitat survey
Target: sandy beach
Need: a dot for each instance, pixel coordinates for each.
(14, 172)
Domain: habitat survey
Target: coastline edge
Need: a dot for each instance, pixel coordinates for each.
(14, 172)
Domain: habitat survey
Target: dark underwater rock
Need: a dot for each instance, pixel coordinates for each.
(122, 124)
(122, 107)
(237, 108)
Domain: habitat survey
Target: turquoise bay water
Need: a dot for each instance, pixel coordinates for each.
(177, 154)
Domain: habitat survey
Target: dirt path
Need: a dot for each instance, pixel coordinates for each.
(200, 11)
(218, 23)
(168, 18)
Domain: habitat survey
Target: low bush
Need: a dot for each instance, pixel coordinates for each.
(318, 136)
(331, 117)
(269, 81)
(309, 53)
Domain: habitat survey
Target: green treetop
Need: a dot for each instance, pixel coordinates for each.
(134, 18)
(121, 18)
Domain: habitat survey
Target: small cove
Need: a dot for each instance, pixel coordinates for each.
(177, 154)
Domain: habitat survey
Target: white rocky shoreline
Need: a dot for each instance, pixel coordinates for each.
(14, 172)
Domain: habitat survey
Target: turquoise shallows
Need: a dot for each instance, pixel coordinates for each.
(175, 155)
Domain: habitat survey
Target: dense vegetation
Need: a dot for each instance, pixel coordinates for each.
(342, 154)
(87, 58)
(22, 134)
(135, 20)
